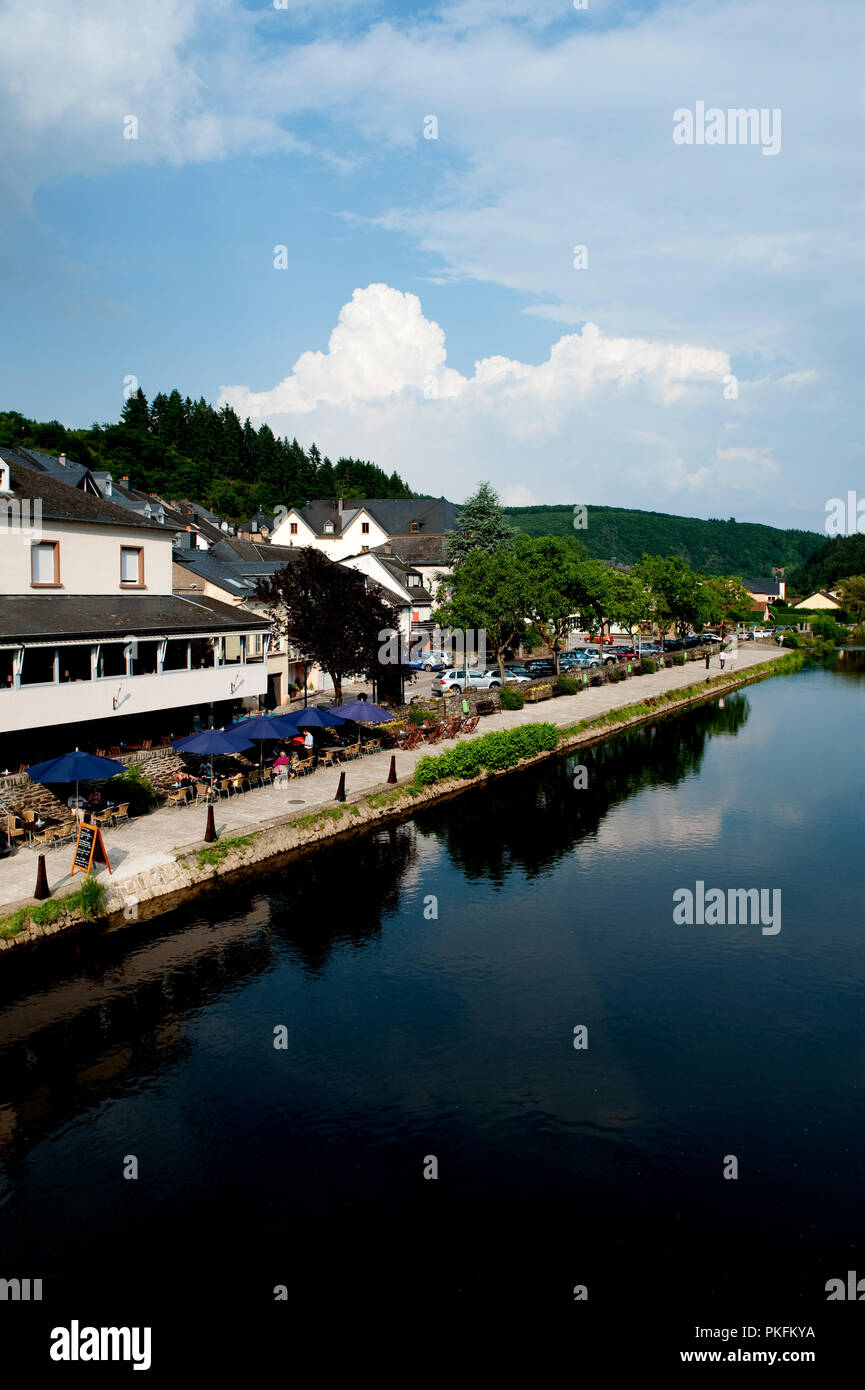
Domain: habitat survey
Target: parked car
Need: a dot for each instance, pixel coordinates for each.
(711, 637)
(430, 661)
(516, 670)
(582, 660)
(694, 640)
(623, 652)
(540, 666)
(648, 649)
(673, 644)
(458, 678)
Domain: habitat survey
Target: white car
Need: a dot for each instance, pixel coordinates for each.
(458, 678)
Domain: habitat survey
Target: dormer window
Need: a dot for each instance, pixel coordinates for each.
(328, 528)
(5, 485)
(415, 526)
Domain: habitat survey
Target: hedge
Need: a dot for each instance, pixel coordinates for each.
(490, 753)
(511, 699)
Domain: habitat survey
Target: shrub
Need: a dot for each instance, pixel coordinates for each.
(649, 666)
(616, 673)
(418, 714)
(857, 636)
(134, 787)
(511, 698)
(491, 753)
(790, 640)
(679, 658)
(566, 685)
(824, 626)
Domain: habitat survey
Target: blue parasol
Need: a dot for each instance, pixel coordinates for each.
(363, 712)
(75, 767)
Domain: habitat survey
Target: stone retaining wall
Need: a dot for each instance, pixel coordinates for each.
(160, 766)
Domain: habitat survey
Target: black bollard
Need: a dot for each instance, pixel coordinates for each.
(391, 776)
(340, 791)
(42, 889)
(210, 832)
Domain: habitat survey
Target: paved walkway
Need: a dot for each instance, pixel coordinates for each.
(150, 840)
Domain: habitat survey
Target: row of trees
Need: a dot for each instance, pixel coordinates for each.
(178, 447)
(515, 586)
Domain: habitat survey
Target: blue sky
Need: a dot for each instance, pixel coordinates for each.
(430, 316)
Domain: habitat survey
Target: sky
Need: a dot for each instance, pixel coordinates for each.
(465, 240)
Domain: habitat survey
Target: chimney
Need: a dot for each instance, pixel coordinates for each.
(125, 480)
(339, 506)
(62, 460)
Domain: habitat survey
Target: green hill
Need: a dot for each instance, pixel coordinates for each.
(743, 548)
(832, 560)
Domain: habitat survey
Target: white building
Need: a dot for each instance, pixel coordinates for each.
(413, 530)
(94, 644)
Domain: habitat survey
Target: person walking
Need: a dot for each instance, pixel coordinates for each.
(708, 659)
(723, 658)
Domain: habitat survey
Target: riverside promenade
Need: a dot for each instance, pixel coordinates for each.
(150, 841)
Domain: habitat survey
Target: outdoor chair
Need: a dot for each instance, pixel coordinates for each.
(204, 792)
(49, 838)
(121, 812)
(353, 750)
(266, 777)
(100, 753)
(28, 817)
(302, 767)
(178, 798)
(223, 786)
(114, 751)
(329, 757)
(372, 745)
(166, 741)
(146, 744)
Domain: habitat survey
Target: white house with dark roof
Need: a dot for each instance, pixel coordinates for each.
(93, 639)
(355, 526)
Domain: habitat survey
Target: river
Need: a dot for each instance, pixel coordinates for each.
(357, 1081)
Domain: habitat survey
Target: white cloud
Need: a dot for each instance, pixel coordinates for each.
(601, 412)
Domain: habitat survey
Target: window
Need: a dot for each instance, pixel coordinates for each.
(364, 526)
(293, 528)
(415, 526)
(132, 566)
(45, 564)
(364, 549)
(328, 528)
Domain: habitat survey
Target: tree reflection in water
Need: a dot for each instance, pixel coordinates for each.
(533, 820)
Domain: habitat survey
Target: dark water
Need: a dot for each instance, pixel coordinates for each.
(411, 1036)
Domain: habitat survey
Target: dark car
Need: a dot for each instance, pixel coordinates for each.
(539, 666)
(673, 644)
(693, 641)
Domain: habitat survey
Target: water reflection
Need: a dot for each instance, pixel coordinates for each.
(537, 820)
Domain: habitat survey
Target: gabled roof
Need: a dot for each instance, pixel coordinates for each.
(434, 515)
(772, 587)
(416, 549)
(62, 502)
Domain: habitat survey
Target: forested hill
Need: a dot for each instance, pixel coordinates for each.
(182, 448)
(833, 560)
(743, 548)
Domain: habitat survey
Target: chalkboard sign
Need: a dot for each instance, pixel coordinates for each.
(89, 849)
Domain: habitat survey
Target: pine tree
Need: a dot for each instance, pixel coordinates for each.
(481, 526)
